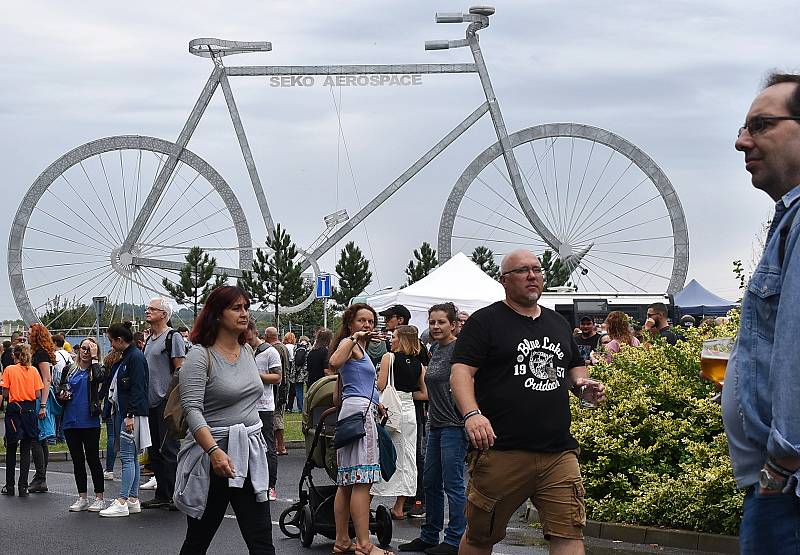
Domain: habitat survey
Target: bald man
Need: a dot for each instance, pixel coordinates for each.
(522, 361)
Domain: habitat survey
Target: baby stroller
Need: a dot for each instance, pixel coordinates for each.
(313, 513)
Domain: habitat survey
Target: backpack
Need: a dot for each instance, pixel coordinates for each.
(167, 350)
(300, 354)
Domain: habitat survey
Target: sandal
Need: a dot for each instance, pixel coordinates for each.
(372, 549)
(351, 548)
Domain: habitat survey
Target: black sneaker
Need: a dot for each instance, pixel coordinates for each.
(418, 511)
(38, 487)
(7, 490)
(23, 491)
(156, 503)
(419, 545)
(442, 549)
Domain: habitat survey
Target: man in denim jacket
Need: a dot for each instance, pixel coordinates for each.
(761, 397)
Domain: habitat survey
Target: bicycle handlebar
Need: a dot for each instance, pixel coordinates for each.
(213, 48)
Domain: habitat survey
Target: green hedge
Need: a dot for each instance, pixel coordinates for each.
(655, 453)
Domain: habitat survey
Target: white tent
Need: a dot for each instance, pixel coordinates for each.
(458, 280)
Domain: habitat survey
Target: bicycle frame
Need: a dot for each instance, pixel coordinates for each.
(219, 77)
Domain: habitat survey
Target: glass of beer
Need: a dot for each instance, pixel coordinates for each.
(714, 359)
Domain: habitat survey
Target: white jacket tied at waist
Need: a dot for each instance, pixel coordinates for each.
(247, 450)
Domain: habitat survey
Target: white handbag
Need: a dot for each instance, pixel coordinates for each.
(391, 400)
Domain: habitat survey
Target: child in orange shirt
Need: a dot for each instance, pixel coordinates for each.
(20, 382)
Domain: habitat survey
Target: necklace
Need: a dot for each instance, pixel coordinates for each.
(231, 356)
(532, 317)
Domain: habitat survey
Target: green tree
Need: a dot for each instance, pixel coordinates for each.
(195, 284)
(484, 257)
(276, 279)
(61, 314)
(556, 273)
(426, 261)
(353, 273)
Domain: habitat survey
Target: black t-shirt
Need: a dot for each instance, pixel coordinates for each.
(587, 345)
(670, 336)
(521, 383)
(8, 357)
(40, 356)
(406, 369)
(316, 363)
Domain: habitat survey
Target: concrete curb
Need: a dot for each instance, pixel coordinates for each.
(665, 537)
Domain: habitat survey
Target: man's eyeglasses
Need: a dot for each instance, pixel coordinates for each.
(524, 271)
(152, 308)
(758, 124)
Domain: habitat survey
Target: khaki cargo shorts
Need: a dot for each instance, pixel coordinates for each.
(501, 481)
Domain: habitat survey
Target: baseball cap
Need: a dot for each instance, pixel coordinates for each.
(587, 319)
(397, 310)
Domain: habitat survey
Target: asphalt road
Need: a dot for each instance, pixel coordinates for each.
(41, 523)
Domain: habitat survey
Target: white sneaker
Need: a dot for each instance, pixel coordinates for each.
(134, 506)
(97, 505)
(81, 504)
(272, 495)
(116, 509)
(150, 484)
(108, 475)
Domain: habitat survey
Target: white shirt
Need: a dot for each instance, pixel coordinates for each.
(268, 361)
(62, 357)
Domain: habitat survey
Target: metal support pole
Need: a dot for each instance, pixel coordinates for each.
(325, 312)
(99, 307)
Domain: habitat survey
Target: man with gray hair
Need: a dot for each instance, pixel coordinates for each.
(164, 350)
(514, 364)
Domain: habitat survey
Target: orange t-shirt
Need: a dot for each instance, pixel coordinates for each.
(21, 382)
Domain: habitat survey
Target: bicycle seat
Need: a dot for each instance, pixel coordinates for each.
(209, 47)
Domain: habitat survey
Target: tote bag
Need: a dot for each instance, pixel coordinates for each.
(391, 400)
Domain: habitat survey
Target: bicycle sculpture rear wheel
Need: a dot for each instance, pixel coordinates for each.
(70, 225)
(618, 220)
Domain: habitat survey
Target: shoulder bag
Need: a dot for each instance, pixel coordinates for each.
(391, 400)
(173, 411)
(353, 427)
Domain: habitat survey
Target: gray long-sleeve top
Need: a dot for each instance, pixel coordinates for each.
(230, 395)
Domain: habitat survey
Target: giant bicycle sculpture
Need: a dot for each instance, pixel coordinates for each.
(124, 210)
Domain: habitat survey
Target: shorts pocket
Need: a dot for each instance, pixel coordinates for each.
(579, 493)
(480, 513)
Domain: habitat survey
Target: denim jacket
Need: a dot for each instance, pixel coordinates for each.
(768, 379)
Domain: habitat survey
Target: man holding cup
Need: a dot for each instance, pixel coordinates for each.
(514, 365)
(762, 384)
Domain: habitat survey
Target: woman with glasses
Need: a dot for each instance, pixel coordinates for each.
(44, 357)
(446, 450)
(129, 408)
(223, 459)
(21, 385)
(79, 393)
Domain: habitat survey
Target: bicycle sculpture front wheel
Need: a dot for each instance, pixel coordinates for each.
(617, 219)
(66, 239)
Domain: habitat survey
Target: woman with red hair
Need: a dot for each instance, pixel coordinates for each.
(44, 357)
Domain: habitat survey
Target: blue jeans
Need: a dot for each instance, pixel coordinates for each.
(771, 524)
(444, 473)
(298, 394)
(129, 458)
(111, 452)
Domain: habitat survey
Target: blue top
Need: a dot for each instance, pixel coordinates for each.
(759, 401)
(76, 411)
(358, 379)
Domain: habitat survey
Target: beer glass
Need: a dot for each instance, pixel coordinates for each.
(714, 359)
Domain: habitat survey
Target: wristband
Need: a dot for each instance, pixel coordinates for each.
(212, 449)
(783, 471)
(42, 405)
(353, 339)
(471, 414)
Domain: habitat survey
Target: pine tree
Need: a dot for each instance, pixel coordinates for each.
(276, 279)
(353, 273)
(555, 272)
(195, 283)
(484, 257)
(425, 262)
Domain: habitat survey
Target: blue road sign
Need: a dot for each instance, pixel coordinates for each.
(323, 286)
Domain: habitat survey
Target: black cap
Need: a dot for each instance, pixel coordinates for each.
(397, 310)
(587, 319)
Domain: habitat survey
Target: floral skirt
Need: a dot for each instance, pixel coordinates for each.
(358, 462)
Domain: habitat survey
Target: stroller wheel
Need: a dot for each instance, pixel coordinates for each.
(383, 526)
(289, 521)
(306, 526)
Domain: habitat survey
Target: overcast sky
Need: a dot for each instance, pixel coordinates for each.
(675, 78)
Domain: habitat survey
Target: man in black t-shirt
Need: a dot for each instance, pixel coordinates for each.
(588, 338)
(657, 323)
(513, 367)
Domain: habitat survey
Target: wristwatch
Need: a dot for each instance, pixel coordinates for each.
(768, 480)
(353, 339)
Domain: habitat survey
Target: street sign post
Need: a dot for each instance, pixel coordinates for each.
(99, 307)
(323, 291)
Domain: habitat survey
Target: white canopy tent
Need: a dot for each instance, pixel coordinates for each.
(458, 280)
